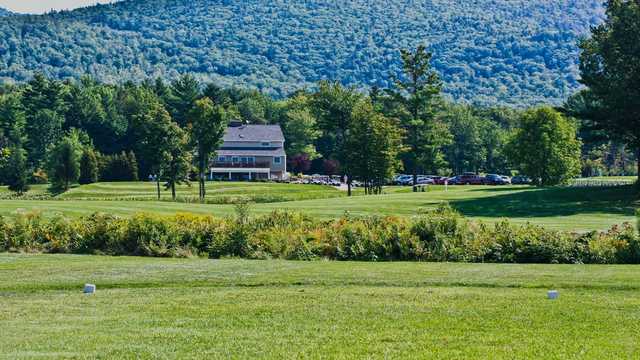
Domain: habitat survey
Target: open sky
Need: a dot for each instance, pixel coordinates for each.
(41, 6)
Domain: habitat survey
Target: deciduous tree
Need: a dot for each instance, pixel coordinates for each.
(333, 106)
(208, 124)
(153, 129)
(373, 146)
(545, 147)
(177, 165)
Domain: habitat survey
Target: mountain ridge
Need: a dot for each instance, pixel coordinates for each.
(491, 52)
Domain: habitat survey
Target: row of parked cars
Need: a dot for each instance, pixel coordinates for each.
(317, 179)
(464, 179)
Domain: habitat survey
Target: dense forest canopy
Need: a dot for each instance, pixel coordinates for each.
(4, 12)
(489, 52)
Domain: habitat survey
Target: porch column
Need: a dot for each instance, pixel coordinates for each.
(249, 175)
(229, 175)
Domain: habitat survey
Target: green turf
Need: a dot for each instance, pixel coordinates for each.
(574, 209)
(216, 191)
(611, 178)
(168, 308)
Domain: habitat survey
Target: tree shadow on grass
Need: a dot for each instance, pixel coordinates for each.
(550, 202)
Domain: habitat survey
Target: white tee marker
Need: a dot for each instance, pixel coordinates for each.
(89, 289)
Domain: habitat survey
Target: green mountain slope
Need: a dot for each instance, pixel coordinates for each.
(517, 52)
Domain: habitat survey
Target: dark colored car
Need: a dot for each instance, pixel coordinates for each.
(494, 179)
(469, 179)
(440, 180)
(520, 180)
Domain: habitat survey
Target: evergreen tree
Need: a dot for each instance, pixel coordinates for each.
(88, 167)
(132, 166)
(17, 174)
(610, 68)
(417, 94)
(12, 118)
(43, 129)
(182, 97)
(63, 162)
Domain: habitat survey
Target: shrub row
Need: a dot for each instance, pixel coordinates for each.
(438, 235)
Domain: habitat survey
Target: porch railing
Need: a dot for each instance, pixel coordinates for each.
(256, 165)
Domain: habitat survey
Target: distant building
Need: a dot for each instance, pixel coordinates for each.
(250, 152)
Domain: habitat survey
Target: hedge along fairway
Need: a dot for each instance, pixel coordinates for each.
(149, 308)
(437, 235)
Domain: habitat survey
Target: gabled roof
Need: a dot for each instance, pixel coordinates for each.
(254, 133)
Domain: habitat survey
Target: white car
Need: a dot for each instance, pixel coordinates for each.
(425, 180)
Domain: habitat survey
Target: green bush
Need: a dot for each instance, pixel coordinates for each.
(438, 235)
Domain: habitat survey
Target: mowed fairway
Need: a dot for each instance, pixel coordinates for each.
(165, 308)
(573, 209)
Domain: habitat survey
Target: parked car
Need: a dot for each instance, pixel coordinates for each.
(506, 179)
(494, 179)
(469, 179)
(425, 180)
(403, 180)
(520, 180)
(440, 180)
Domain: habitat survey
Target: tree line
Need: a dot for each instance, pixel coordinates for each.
(87, 131)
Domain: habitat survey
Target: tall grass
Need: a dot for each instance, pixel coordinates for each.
(438, 235)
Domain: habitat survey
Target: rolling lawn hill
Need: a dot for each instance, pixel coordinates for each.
(566, 208)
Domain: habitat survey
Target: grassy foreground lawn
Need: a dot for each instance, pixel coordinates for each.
(166, 308)
(574, 209)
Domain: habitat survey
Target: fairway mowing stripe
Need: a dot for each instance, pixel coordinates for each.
(17, 290)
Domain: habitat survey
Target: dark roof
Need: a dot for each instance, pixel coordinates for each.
(254, 133)
(243, 152)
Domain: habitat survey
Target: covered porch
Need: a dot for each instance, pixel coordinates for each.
(232, 173)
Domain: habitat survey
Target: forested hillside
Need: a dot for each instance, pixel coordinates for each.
(4, 12)
(515, 52)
